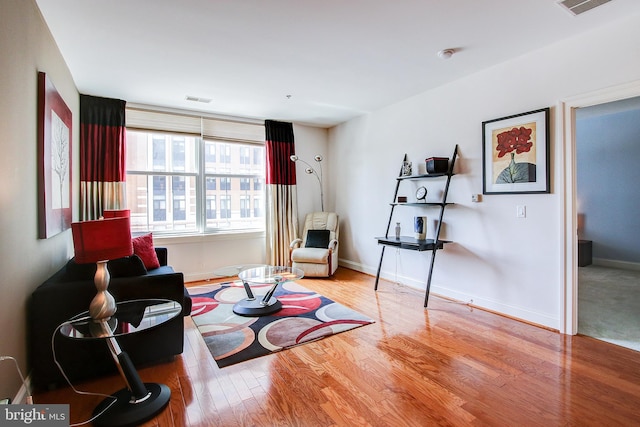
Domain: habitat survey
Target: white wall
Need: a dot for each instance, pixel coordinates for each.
(199, 256)
(508, 264)
(26, 47)
(309, 142)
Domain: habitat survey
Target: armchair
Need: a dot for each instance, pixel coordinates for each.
(316, 253)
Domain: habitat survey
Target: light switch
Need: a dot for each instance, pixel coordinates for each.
(521, 211)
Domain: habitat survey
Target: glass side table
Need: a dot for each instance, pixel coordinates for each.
(139, 401)
(252, 306)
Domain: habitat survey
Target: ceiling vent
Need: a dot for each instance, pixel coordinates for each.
(197, 99)
(576, 7)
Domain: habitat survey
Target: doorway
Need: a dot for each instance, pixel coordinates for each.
(607, 158)
(566, 153)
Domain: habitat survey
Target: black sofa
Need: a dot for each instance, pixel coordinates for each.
(69, 292)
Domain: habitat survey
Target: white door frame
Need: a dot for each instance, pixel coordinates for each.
(565, 117)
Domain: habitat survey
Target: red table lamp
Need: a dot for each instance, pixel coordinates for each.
(100, 241)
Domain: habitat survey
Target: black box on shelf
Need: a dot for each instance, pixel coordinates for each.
(437, 164)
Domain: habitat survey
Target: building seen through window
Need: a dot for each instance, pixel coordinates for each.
(179, 183)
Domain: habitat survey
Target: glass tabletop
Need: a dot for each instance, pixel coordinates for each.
(271, 274)
(130, 317)
(234, 270)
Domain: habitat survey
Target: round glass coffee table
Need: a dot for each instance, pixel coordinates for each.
(268, 304)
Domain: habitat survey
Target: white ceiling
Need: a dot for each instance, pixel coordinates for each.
(337, 59)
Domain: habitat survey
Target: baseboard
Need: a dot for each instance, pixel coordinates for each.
(196, 277)
(514, 312)
(623, 265)
(356, 266)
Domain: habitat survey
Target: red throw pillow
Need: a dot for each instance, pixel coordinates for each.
(143, 247)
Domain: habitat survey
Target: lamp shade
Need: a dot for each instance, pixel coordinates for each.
(101, 240)
(121, 213)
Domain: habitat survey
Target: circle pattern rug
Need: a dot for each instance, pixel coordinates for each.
(305, 316)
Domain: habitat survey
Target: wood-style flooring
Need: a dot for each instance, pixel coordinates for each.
(449, 365)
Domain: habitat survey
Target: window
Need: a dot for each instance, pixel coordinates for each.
(257, 184)
(209, 154)
(244, 155)
(211, 183)
(177, 153)
(258, 155)
(211, 207)
(225, 183)
(159, 198)
(179, 198)
(159, 153)
(225, 153)
(257, 207)
(225, 207)
(244, 184)
(245, 208)
(191, 175)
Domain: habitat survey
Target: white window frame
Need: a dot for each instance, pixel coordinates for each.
(205, 129)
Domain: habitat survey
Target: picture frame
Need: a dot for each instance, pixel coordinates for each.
(54, 160)
(515, 154)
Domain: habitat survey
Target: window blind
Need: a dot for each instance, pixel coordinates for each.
(213, 128)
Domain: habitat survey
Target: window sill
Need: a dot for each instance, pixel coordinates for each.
(212, 237)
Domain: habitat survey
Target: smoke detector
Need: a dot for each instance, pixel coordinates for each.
(446, 53)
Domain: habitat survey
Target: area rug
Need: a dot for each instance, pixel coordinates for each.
(305, 316)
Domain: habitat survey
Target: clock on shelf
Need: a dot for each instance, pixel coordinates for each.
(421, 194)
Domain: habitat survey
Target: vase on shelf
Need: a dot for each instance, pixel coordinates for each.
(420, 227)
(397, 231)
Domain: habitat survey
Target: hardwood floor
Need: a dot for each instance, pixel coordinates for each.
(448, 365)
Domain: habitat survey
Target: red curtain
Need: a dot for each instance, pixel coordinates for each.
(102, 155)
(282, 203)
(280, 146)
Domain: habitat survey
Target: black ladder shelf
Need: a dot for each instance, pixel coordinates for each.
(411, 243)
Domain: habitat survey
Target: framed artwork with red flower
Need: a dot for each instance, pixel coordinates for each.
(515, 154)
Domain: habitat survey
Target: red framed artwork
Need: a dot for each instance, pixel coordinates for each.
(515, 154)
(54, 160)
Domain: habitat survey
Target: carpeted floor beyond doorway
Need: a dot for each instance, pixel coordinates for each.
(609, 305)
